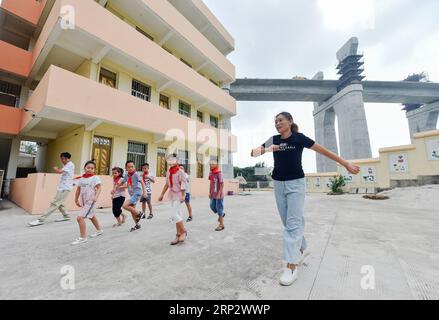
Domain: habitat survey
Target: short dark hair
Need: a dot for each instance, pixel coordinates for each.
(119, 170)
(128, 162)
(90, 162)
(65, 155)
(146, 164)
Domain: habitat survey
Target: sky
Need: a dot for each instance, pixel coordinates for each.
(287, 38)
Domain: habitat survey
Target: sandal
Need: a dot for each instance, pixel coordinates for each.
(136, 227)
(150, 216)
(176, 241)
(117, 225)
(139, 216)
(220, 228)
(185, 237)
(189, 219)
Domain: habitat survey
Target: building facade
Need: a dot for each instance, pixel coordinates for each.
(114, 80)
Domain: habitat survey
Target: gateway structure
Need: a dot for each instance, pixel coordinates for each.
(113, 80)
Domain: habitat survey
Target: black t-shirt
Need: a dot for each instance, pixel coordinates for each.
(288, 161)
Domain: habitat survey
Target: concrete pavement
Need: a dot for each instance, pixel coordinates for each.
(398, 238)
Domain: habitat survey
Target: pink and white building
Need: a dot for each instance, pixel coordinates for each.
(112, 80)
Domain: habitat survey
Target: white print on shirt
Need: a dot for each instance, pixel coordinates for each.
(284, 146)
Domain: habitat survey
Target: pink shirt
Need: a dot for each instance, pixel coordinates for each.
(120, 192)
(215, 184)
(178, 185)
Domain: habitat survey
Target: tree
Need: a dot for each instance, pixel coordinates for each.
(415, 77)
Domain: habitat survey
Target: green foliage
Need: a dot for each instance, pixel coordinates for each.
(336, 185)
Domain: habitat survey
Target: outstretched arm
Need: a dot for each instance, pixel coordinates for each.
(262, 150)
(352, 168)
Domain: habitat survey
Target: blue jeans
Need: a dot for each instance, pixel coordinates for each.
(290, 200)
(217, 206)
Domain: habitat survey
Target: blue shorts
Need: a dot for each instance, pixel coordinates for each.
(217, 206)
(135, 198)
(187, 199)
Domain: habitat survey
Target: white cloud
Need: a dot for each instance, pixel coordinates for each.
(347, 14)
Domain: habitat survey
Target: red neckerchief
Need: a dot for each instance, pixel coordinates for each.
(145, 174)
(117, 179)
(85, 175)
(213, 172)
(130, 178)
(173, 170)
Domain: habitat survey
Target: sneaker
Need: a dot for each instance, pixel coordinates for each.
(305, 255)
(288, 277)
(79, 241)
(35, 223)
(63, 219)
(97, 234)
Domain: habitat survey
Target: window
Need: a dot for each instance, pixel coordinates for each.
(140, 90)
(214, 121)
(186, 63)
(9, 94)
(108, 78)
(183, 159)
(200, 166)
(200, 116)
(164, 102)
(145, 34)
(184, 109)
(137, 153)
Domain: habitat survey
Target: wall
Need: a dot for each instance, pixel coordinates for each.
(35, 192)
(409, 163)
(72, 141)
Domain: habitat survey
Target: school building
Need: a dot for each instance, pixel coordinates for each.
(112, 80)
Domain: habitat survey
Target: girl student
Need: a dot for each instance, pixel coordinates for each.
(176, 184)
(87, 193)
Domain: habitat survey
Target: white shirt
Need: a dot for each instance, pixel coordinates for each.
(91, 182)
(66, 183)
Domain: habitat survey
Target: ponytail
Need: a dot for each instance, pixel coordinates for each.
(289, 117)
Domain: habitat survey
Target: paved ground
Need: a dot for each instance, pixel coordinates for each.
(399, 238)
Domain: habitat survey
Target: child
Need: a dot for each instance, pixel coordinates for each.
(147, 180)
(89, 189)
(118, 196)
(136, 188)
(216, 194)
(176, 183)
(65, 186)
(187, 198)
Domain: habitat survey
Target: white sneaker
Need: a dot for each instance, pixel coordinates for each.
(305, 255)
(63, 219)
(35, 223)
(97, 234)
(79, 241)
(288, 277)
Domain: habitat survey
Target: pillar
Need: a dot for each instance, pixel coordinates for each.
(13, 159)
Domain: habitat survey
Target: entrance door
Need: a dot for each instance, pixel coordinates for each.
(161, 162)
(102, 154)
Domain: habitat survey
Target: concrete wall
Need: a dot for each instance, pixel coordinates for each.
(35, 192)
(413, 164)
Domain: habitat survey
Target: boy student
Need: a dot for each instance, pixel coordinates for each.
(216, 193)
(64, 187)
(147, 178)
(136, 188)
(187, 198)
